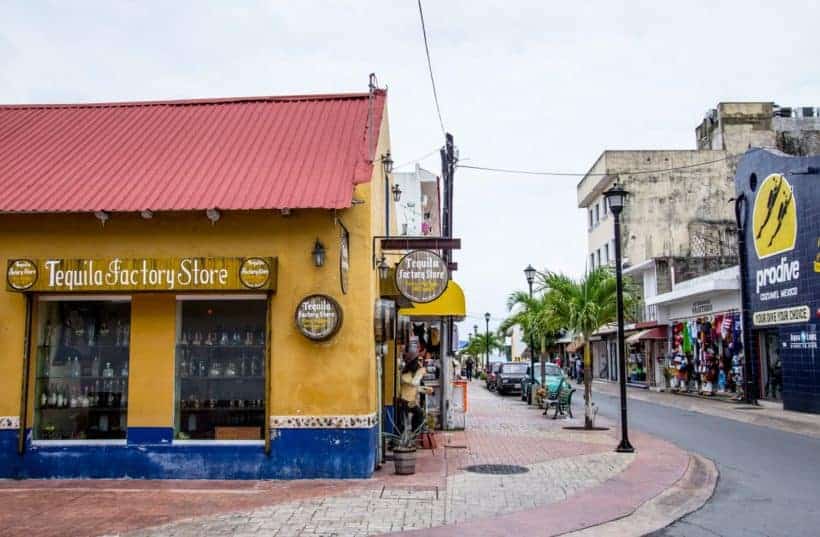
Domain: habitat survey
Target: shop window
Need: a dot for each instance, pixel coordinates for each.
(81, 390)
(220, 364)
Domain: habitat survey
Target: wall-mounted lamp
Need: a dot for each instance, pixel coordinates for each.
(396, 193)
(384, 268)
(147, 214)
(318, 253)
(102, 216)
(387, 163)
(213, 215)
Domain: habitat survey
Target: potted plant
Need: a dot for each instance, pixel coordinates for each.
(404, 448)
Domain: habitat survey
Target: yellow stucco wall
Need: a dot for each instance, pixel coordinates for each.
(336, 377)
(151, 378)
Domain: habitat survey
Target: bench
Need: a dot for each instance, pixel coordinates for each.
(560, 399)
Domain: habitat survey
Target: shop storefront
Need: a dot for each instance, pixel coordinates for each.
(200, 306)
(702, 353)
(782, 216)
(427, 329)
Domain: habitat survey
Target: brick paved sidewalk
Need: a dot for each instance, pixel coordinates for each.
(571, 480)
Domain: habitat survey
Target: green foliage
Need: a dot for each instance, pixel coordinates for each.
(584, 305)
(482, 344)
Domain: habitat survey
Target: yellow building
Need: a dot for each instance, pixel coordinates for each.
(190, 287)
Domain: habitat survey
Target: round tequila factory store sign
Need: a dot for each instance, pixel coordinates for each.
(318, 317)
(422, 276)
(254, 273)
(21, 274)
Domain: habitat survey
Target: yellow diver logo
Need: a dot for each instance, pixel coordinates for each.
(775, 217)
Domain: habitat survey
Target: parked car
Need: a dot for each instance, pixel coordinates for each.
(554, 375)
(492, 374)
(509, 377)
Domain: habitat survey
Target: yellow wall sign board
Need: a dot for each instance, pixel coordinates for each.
(422, 276)
(797, 314)
(142, 274)
(774, 219)
(318, 317)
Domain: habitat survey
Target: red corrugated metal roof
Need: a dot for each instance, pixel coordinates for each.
(244, 153)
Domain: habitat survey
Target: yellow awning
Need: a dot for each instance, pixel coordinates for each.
(451, 303)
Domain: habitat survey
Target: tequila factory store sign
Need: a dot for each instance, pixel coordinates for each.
(421, 276)
(318, 317)
(142, 274)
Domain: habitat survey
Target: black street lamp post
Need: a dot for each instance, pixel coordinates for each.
(615, 196)
(741, 210)
(487, 341)
(529, 272)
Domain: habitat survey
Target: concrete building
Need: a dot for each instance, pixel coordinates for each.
(419, 210)
(678, 223)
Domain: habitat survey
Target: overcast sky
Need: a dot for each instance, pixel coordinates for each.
(524, 84)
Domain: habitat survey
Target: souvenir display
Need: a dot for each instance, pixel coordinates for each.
(707, 355)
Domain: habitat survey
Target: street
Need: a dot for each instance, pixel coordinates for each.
(768, 479)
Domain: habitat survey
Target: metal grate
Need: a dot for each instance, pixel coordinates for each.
(497, 469)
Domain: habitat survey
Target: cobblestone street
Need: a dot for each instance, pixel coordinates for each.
(557, 464)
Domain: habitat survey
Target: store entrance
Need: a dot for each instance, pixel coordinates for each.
(771, 369)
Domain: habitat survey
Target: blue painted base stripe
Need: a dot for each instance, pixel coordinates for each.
(295, 454)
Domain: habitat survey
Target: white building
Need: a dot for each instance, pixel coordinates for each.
(419, 210)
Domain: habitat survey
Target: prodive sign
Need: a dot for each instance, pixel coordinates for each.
(783, 243)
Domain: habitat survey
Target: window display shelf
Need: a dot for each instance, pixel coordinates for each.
(81, 377)
(83, 409)
(75, 348)
(223, 409)
(221, 377)
(237, 346)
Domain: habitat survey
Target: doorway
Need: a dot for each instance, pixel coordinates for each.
(771, 371)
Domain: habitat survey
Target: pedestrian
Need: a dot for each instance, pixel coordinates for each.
(470, 364)
(777, 378)
(409, 407)
(579, 370)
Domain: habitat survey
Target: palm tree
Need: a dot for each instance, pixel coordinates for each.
(534, 316)
(484, 344)
(584, 306)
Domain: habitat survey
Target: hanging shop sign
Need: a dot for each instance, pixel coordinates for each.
(701, 306)
(344, 259)
(384, 319)
(318, 317)
(422, 276)
(142, 274)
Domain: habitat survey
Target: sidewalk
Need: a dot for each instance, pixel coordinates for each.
(767, 414)
(568, 481)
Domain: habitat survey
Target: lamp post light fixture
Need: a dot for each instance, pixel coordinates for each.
(384, 268)
(387, 166)
(318, 253)
(487, 341)
(529, 272)
(615, 197)
(396, 190)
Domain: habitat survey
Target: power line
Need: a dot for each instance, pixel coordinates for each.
(419, 159)
(577, 174)
(430, 68)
